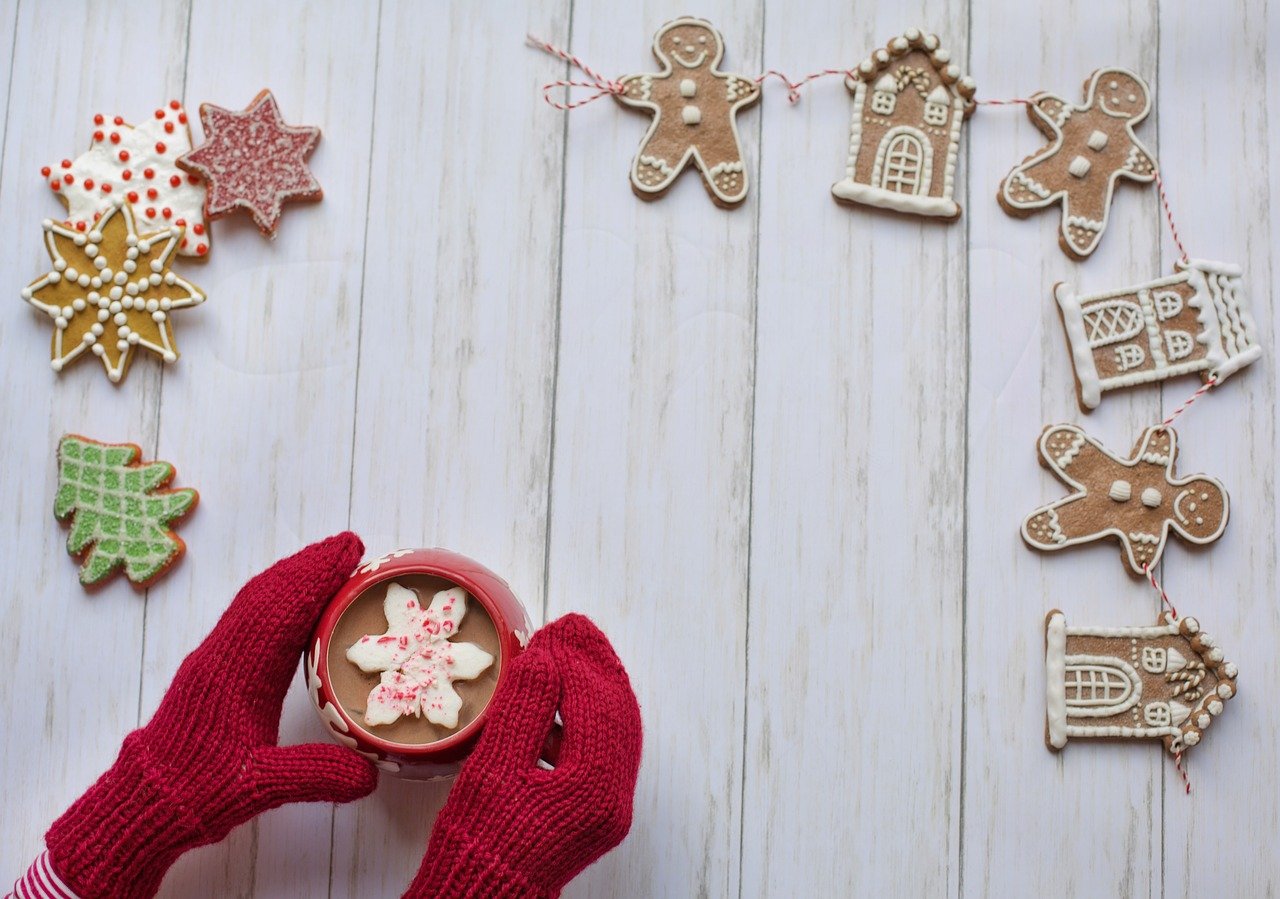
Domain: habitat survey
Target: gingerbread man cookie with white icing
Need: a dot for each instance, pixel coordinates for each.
(1091, 148)
(1137, 500)
(694, 107)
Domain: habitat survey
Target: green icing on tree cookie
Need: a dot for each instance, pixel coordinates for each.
(121, 514)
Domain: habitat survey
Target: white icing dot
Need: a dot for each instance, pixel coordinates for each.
(59, 264)
(95, 282)
(46, 224)
(133, 337)
(144, 246)
(130, 266)
(157, 316)
(95, 236)
(153, 305)
(91, 250)
(154, 280)
(125, 331)
(78, 304)
(1190, 625)
(1192, 738)
(156, 266)
(1225, 691)
(126, 303)
(131, 240)
(116, 293)
(103, 315)
(131, 289)
(121, 277)
(170, 278)
(170, 356)
(166, 304)
(1230, 669)
(97, 299)
(54, 277)
(175, 232)
(57, 364)
(100, 263)
(83, 280)
(122, 345)
(1215, 707)
(89, 337)
(115, 307)
(1203, 721)
(80, 240)
(114, 375)
(66, 311)
(72, 274)
(97, 329)
(60, 322)
(120, 318)
(99, 349)
(26, 293)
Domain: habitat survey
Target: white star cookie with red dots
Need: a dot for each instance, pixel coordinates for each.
(138, 163)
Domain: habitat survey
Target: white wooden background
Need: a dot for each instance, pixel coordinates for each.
(779, 454)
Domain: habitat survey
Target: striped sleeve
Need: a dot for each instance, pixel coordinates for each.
(40, 882)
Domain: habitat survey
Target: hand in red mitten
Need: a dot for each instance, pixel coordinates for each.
(513, 829)
(208, 760)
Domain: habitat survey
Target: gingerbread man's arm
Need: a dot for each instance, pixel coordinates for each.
(1047, 112)
(740, 90)
(1139, 164)
(1064, 448)
(641, 91)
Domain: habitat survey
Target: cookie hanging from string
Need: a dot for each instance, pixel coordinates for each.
(909, 104)
(1092, 146)
(1137, 500)
(1168, 682)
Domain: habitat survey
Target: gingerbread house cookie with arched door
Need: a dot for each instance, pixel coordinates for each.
(909, 103)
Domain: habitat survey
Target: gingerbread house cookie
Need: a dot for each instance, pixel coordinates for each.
(1168, 682)
(1192, 322)
(909, 103)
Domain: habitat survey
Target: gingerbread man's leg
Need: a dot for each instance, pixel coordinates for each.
(725, 174)
(659, 161)
(1066, 522)
(1084, 215)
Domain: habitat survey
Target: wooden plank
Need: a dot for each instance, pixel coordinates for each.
(649, 504)
(453, 412)
(1215, 156)
(1021, 802)
(55, 628)
(853, 722)
(258, 415)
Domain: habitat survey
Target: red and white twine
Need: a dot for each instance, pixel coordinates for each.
(603, 86)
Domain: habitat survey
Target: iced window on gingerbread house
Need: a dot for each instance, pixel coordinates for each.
(1129, 356)
(936, 106)
(1157, 714)
(885, 96)
(1099, 689)
(1112, 322)
(902, 165)
(1154, 659)
(1178, 344)
(1168, 303)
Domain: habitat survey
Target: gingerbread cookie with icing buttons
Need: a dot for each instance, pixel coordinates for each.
(695, 114)
(1091, 147)
(1137, 500)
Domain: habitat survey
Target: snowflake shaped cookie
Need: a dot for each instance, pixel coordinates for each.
(137, 162)
(418, 662)
(252, 160)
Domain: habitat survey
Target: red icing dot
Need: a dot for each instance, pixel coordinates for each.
(66, 163)
(168, 127)
(201, 249)
(148, 173)
(198, 228)
(192, 179)
(182, 118)
(151, 213)
(174, 180)
(118, 120)
(97, 120)
(174, 104)
(152, 193)
(159, 113)
(166, 212)
(88, 184)
(127, 175)
(124, 155)
(69, 178)
(183, 245)
(133, 196)
(159, 147)
(80, 226)
(45, 172)
(97, 136)
(115, 137)
(180, 222)
(54, 184)
(106, 188)
(97, 215)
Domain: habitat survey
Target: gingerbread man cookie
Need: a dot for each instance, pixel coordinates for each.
(1137, 500)
(1091, 148)
(695, 108)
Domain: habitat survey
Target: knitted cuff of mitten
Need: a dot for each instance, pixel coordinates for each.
(458, 866)
(123, 834)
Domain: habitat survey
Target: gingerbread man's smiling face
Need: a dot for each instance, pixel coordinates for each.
(689, 44)
(1120, 94)
(1198, 508)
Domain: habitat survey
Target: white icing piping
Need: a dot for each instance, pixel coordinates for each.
(1055, 669)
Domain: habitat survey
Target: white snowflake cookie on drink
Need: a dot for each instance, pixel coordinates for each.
(418, 661)
(136, 162)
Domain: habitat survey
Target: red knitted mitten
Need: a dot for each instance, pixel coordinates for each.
(514, 829)
(208, 760)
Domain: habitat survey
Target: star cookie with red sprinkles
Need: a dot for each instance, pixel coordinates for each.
(252, 160)
(136, 162)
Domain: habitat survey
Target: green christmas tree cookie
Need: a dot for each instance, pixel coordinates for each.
(120, 513)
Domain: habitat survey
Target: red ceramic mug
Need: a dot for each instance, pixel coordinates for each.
(418, 760)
